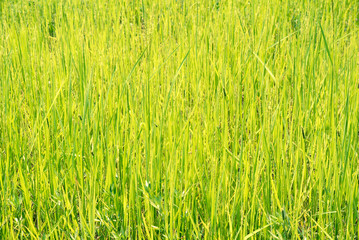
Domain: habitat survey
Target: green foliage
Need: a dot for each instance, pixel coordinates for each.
(177, 119)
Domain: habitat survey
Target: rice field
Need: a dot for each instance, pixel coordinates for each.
(177, 119)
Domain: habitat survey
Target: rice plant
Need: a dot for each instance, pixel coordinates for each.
(177, 119)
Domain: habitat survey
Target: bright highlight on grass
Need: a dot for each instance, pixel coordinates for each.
(179, 119)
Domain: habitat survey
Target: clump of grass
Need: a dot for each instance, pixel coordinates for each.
(175, 119)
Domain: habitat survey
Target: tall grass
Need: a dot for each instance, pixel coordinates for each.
(179, 119)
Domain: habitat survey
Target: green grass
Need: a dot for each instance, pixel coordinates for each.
(179, 119)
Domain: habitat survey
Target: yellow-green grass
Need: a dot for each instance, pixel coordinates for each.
(179, 119)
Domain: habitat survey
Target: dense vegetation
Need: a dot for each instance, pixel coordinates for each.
(179, 119)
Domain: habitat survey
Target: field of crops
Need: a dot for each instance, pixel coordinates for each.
(177, 119)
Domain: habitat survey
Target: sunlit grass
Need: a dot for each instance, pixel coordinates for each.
(179, 119)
